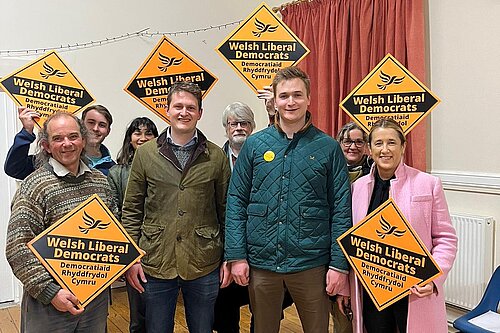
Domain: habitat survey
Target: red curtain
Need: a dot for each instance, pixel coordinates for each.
(347, 39)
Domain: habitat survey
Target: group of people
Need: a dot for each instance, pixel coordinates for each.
(255, 222)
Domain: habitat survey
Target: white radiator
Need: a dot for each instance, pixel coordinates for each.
(473, 266)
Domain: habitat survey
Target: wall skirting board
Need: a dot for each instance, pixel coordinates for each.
(469, 182)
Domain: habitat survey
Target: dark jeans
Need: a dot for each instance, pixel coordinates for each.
(137, 310)
(199, 295)
(227, 308)
(395, 315)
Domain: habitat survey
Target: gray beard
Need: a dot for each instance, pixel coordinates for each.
(237, 141)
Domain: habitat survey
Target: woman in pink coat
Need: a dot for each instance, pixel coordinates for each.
(421, 199)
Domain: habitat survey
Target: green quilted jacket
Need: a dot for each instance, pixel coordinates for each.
(288, 201)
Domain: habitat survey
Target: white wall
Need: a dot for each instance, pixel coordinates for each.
(10, 290)
(464, 55)
(106, 69)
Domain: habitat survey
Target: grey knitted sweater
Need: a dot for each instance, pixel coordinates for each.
(41, 200)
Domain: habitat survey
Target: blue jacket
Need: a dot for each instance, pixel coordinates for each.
(288, 201)
(19, 164)
(104, 163)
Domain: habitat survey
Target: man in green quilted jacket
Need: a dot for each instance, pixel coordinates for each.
(288, 201)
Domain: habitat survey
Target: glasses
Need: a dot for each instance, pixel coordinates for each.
(243, 124)
(348, 142)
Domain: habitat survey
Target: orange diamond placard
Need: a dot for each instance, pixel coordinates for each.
(387, 255)
(261, 46)
(166, 64)
(46, 85)
(389, 91)
(86, 250)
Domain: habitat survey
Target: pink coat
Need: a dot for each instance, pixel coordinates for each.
(421, 198)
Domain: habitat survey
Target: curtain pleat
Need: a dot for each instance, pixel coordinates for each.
(347, 39)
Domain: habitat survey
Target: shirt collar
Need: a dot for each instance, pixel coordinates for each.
(232, 156)
(61, 171)
(191, 142)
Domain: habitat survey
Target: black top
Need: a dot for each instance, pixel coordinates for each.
(380, 192)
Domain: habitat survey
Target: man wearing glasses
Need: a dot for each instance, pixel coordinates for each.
(238, 121)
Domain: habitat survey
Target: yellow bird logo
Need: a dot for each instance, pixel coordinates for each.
(262, 28)
(388, 80)
(91, 224)
(388, 229)
(167, 62)
(50, 71)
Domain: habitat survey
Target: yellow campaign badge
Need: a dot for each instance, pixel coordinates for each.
(86, 250)
(166, 64)
(46, 85)
(389, 91)
(387, 255)
(260, 46)
(268, 156)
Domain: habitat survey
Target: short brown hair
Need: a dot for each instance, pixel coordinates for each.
(347, 128)
(289, 73)
(189, 87)
(387, 123)
(102, 110)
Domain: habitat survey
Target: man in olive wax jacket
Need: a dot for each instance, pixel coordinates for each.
(174, 208)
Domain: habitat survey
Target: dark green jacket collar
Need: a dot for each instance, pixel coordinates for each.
(166, 151)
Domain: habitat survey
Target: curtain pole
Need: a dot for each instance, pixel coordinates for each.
(286, 4)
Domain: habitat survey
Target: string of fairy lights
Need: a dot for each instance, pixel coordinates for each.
(108, 40)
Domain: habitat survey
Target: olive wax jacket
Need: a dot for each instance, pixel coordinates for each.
(177, 215)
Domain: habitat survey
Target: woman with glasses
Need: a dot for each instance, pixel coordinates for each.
(353, 142)
(421, 199)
